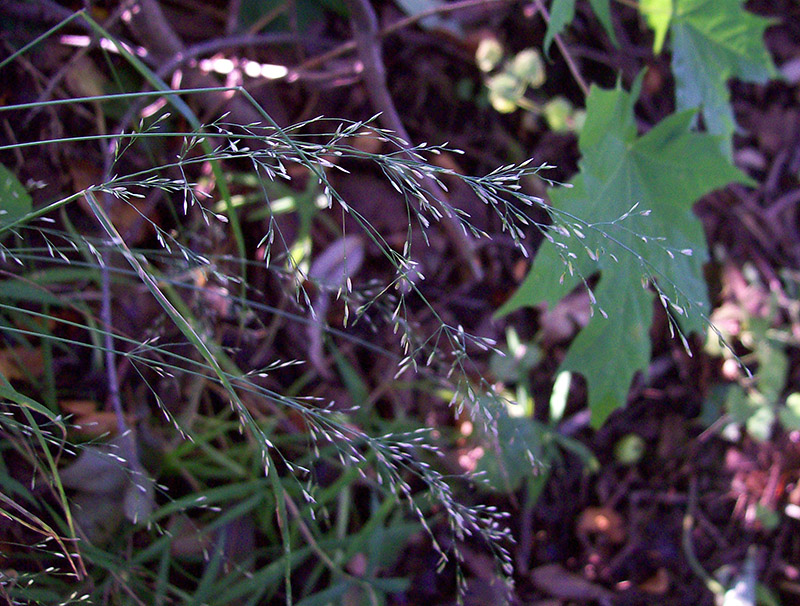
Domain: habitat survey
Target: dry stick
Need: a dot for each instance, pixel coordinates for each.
(201, 48)
(365, 31)
(39, 11)
(564, 52)
(154, 32)
(128, 446)
(438, 10)
(398, 25)
(688, 547)
(234, 8)
(162, 70)
(62, 72)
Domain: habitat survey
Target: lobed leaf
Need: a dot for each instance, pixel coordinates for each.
(622, 177)
(712, 42)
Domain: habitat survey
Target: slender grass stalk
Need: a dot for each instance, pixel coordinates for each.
(272, 460)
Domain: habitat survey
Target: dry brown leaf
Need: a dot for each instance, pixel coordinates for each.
(658, 584)
(559, 583)
(83, 79)
(190, 540)
(601, 521)
(566, 318)
(88, 420)
(21, 363)
(331, 271)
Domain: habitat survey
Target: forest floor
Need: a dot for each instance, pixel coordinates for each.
(698, 494)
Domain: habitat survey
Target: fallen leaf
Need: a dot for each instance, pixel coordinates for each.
(331, 271)
(658, 584)
(337, 263)
(559, 583)
(88, 421)
(601, 520)
(190, 540)
(21, 363)
(104, 480)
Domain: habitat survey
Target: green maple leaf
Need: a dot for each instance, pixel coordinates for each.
(664, 171)
(712, 42)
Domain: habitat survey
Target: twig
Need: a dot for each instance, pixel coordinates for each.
(573, 68)
(150, 26)
(398, 25)
(437, 10)
(210, 46)
(62, 72)
(234, 7)
(711, 583)
(365, 31)
(40, 11)
(108, 340)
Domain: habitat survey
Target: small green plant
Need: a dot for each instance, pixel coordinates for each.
(753, 403)
(521, 440)
(511, 80)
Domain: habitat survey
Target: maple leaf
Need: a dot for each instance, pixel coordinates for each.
(638, 193)
(712, 42)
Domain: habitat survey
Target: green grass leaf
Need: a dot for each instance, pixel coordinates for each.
(664, 171)
(714, 41)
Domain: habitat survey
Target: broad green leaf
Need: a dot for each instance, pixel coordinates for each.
(790, 413)
(713, 41)
(658, 14)
(519, 442)
(664, 171)
(15, 202)
(563, 11)
(602, 9)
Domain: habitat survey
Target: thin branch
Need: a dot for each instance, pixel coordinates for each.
(350, 46)
(573, 68)
(40, 11)
(367, 39)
